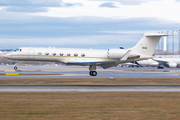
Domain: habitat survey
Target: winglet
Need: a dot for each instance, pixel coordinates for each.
(125, 56)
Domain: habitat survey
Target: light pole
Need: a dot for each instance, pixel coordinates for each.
(167, 42)
(172, 32)
(158, 45)
(162, 45)
(172, 41)
(178, 31)
(179, 40)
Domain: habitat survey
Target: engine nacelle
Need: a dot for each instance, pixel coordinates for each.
(119, 53)
(116, 53)
(172, 65)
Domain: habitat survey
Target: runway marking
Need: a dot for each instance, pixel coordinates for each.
(13, 73)
(89, 88)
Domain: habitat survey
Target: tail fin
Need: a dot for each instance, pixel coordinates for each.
(147, 44)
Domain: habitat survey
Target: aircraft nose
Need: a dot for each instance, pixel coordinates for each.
(7, 55)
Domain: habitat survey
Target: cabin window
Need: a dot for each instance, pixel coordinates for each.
(54, 53)
(39, 53)
(61, 54)
(82, 54)
(68, 54)
(46, 53)
(75, 54)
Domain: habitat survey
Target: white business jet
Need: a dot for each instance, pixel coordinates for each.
(89, 57)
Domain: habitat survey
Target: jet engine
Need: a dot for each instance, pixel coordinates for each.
(118, 53)
(172, 65)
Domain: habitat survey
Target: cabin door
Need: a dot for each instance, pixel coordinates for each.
(31, 54)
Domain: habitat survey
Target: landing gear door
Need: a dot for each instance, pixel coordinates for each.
(31, 54)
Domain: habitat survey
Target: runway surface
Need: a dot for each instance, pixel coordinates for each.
(83, 72)
(89, 88)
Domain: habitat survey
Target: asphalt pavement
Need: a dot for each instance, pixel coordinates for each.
(83, 72)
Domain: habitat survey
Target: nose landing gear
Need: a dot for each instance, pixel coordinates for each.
(15, 68)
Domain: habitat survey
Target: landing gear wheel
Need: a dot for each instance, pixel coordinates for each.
(92, 73)
(15, 68)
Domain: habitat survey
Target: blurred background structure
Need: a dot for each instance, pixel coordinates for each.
(169, 45)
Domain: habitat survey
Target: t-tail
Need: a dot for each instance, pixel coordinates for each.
(148, 43)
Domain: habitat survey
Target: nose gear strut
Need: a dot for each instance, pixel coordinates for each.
(15, 68)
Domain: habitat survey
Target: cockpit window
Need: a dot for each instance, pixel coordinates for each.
(17, 50)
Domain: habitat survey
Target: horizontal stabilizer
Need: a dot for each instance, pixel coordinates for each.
(155, 35)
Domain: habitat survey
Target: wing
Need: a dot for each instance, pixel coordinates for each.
(160, 61)
(108, 65)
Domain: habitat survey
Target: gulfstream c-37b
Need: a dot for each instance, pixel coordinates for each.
(89, 57)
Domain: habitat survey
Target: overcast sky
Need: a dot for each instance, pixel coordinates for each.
(84, 23)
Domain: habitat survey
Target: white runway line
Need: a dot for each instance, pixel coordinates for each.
(86, 88)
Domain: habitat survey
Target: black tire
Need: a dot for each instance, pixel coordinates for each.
(15, 68)
(90, 73)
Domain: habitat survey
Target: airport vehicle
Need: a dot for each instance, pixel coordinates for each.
(162, 60)
(89, 57)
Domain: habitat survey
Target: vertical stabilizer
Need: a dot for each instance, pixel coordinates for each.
(147, 44)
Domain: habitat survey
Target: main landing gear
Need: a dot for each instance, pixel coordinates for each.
(92, 69)
(92, 73)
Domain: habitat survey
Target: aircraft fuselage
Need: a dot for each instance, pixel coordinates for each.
(68, 55)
